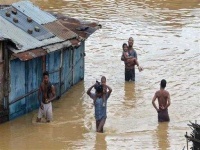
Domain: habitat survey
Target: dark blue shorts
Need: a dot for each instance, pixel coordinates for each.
(130, 74)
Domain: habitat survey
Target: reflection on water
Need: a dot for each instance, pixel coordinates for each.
(100, 142)
(129, 90)
(129, 95)
(166, 35)
(162, 136)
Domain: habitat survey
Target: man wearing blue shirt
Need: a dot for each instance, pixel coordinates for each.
(100, 110)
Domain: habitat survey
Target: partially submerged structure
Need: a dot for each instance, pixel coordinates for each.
(194, 137)
(33, 41)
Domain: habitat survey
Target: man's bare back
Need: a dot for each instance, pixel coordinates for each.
(163, 97)
(164, 102)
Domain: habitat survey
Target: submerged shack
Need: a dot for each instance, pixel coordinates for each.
(33, 41)
(194, 136)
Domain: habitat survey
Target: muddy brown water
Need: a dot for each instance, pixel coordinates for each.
(167, 40)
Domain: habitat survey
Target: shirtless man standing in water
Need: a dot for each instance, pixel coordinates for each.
(163, 101)
(46, 94)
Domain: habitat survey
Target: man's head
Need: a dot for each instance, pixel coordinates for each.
(103, 80)
(46, 77)
(99, 91)
(163, 83)
(130, 42)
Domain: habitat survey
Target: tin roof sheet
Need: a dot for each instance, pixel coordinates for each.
(3, 6)
(82, 28)
(30, 54)
(61, 31)
(24, 24)
(75, 42)
(34, 12)
(57, 46)
(27, 55)
(23, 40)
(27, 47)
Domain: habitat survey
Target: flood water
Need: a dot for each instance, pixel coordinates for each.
(167, 40)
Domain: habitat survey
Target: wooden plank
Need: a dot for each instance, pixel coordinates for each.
(1, 52)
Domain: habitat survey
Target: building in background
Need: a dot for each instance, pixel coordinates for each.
(33, 41)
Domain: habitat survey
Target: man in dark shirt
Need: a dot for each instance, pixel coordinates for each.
(130, 63)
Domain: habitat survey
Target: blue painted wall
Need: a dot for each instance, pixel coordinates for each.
(33, 80)
(66, 73)
(79, 63)
(53, 66)
(17, 88)
(25, 77)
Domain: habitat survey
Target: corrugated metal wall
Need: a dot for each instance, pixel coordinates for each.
(17, 88)
(33, 81)
(67, 72)
(3, 84)
(25, 78)
(79, 63)
(53, 67)
(1, 75)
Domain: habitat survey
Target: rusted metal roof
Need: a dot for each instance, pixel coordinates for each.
(61, 31)
(34, 12)
(75, 42)
(27, 55)
(4, 6)
(66, 31)
(23, 40)
(25, 23)
(57, 46)
(82, 28)
(30, 54)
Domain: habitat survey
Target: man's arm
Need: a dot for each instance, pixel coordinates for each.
(136, 62)
(109, 90)
(135, 54)
(168, 101)
(53, 92)
(89, 90)
(139, 68)
(92, 95)
(153, 102)
(39, 94)
(122, 57)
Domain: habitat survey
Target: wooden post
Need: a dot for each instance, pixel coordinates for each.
(187, 141)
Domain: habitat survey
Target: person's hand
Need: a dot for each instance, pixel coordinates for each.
(140, 68)
(47, 100)
(41, 106)
(128, 60)
(162, 107)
